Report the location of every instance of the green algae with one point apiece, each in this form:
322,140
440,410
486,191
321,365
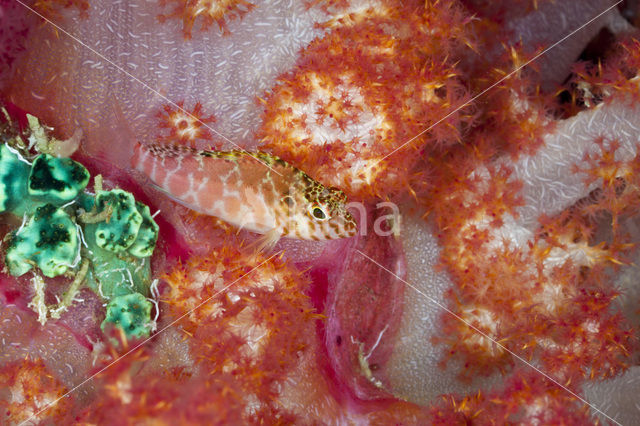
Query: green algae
56,180
13,180
131,313
48,240
103,241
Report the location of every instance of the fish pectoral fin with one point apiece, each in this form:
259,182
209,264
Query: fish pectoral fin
264,243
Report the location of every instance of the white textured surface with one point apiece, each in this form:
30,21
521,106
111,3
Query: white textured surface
555,20
413,368
550,185
224,73
617,397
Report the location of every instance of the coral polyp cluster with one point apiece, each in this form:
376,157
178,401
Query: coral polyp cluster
526,398
247,317
52,9
533,275
183,125
28,387
133,393
207,12
366,89
48,237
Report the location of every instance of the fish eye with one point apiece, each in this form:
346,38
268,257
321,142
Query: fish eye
318,213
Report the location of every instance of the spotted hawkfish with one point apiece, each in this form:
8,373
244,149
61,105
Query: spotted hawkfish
251,190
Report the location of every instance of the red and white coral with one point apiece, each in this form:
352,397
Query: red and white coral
531,246
180,125
378,78
30,393
488,215
526,398
248,318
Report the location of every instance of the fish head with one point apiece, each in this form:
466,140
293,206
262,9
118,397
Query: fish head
316,212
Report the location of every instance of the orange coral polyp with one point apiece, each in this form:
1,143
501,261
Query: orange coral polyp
184,125
543,293
527,397
30,389
255,330
359,93
50,9
209,12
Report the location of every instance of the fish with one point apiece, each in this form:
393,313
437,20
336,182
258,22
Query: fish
256,191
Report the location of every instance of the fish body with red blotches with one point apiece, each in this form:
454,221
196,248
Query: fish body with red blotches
251,190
